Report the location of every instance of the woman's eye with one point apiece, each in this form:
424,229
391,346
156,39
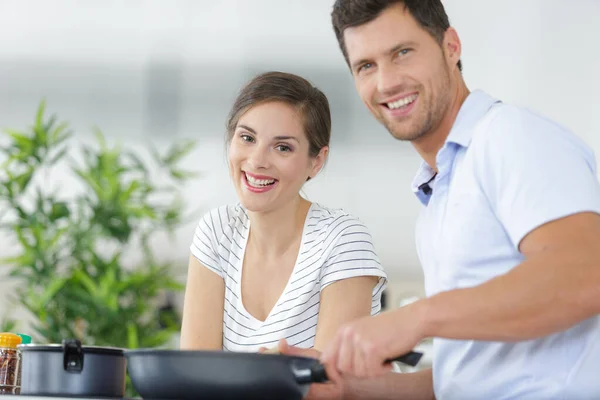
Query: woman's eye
247,138
284,148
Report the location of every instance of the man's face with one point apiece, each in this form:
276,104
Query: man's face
401,73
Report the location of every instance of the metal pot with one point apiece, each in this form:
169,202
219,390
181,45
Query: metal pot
70,369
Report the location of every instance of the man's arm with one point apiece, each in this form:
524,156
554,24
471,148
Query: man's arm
542,187
413,386
410,386
556,287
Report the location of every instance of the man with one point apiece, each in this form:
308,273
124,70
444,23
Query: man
509,235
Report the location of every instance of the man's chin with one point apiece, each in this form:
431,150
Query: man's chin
406,135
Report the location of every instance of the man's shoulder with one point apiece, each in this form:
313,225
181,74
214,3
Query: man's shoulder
508,127
515,143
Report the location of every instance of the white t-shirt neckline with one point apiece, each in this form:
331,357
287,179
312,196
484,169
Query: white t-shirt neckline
255,322
337,246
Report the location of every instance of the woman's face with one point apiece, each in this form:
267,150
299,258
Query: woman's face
268,157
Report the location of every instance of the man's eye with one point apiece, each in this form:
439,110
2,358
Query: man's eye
404,52
364,67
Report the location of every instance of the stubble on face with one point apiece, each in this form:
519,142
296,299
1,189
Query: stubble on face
433,106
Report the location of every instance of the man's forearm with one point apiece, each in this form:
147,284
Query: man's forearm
410,386
537,298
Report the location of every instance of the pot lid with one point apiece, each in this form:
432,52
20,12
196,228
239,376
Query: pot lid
59,348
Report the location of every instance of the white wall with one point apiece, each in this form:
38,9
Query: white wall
538,53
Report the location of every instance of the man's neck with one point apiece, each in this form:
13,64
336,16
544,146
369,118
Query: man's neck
430,144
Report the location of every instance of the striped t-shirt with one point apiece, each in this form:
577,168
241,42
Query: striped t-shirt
335,246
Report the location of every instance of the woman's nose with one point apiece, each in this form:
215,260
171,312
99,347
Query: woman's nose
259,157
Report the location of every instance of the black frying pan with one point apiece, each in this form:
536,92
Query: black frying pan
187,374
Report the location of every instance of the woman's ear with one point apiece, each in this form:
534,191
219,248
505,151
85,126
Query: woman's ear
319,161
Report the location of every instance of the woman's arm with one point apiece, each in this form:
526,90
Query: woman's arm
341,302
202,325
348,276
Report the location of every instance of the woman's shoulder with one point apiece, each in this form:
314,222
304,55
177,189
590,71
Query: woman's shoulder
329,218
225,217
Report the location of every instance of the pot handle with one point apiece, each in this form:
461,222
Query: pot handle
72,356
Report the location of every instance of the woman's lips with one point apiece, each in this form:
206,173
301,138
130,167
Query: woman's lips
257,183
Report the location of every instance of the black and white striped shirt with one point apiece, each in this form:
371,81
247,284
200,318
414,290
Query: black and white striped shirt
335,245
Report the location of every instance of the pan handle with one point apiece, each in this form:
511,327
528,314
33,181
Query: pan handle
317,373
411,358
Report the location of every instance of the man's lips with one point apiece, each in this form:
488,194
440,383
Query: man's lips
400,100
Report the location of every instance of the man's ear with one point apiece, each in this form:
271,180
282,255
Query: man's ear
452,46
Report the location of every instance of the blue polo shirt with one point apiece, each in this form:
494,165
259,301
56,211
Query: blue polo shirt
502,172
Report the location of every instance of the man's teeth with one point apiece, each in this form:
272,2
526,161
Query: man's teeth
259,182
402,102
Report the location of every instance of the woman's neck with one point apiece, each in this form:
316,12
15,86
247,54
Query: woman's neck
274,233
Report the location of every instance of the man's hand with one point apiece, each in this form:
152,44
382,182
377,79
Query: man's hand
332,390
360,348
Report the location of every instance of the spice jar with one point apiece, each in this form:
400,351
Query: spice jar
25,339
10,363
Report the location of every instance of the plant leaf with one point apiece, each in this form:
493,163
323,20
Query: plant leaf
40,113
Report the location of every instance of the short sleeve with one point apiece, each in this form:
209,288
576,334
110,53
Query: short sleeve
352,254
534,171
204,245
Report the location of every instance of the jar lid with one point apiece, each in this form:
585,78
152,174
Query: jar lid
9,340
26,339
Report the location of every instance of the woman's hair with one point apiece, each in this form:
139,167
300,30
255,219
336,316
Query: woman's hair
310,102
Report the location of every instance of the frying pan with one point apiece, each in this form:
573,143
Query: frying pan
198,374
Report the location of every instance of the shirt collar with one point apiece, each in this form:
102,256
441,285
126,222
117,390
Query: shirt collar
424,174
475,106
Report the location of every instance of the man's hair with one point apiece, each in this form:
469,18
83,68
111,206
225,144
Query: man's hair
429,14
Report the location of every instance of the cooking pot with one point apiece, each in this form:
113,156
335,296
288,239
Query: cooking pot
70,369
196,374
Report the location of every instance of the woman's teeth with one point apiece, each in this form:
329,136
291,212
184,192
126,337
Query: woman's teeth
259,182
402,102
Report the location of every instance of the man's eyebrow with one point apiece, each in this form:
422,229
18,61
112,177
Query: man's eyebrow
393,50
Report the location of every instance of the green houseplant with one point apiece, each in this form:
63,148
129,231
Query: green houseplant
70,250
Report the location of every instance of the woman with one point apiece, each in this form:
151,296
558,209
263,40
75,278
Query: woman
276,266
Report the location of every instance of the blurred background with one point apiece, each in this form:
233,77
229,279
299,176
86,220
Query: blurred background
160,72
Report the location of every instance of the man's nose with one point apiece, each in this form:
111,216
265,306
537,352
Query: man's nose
389,80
